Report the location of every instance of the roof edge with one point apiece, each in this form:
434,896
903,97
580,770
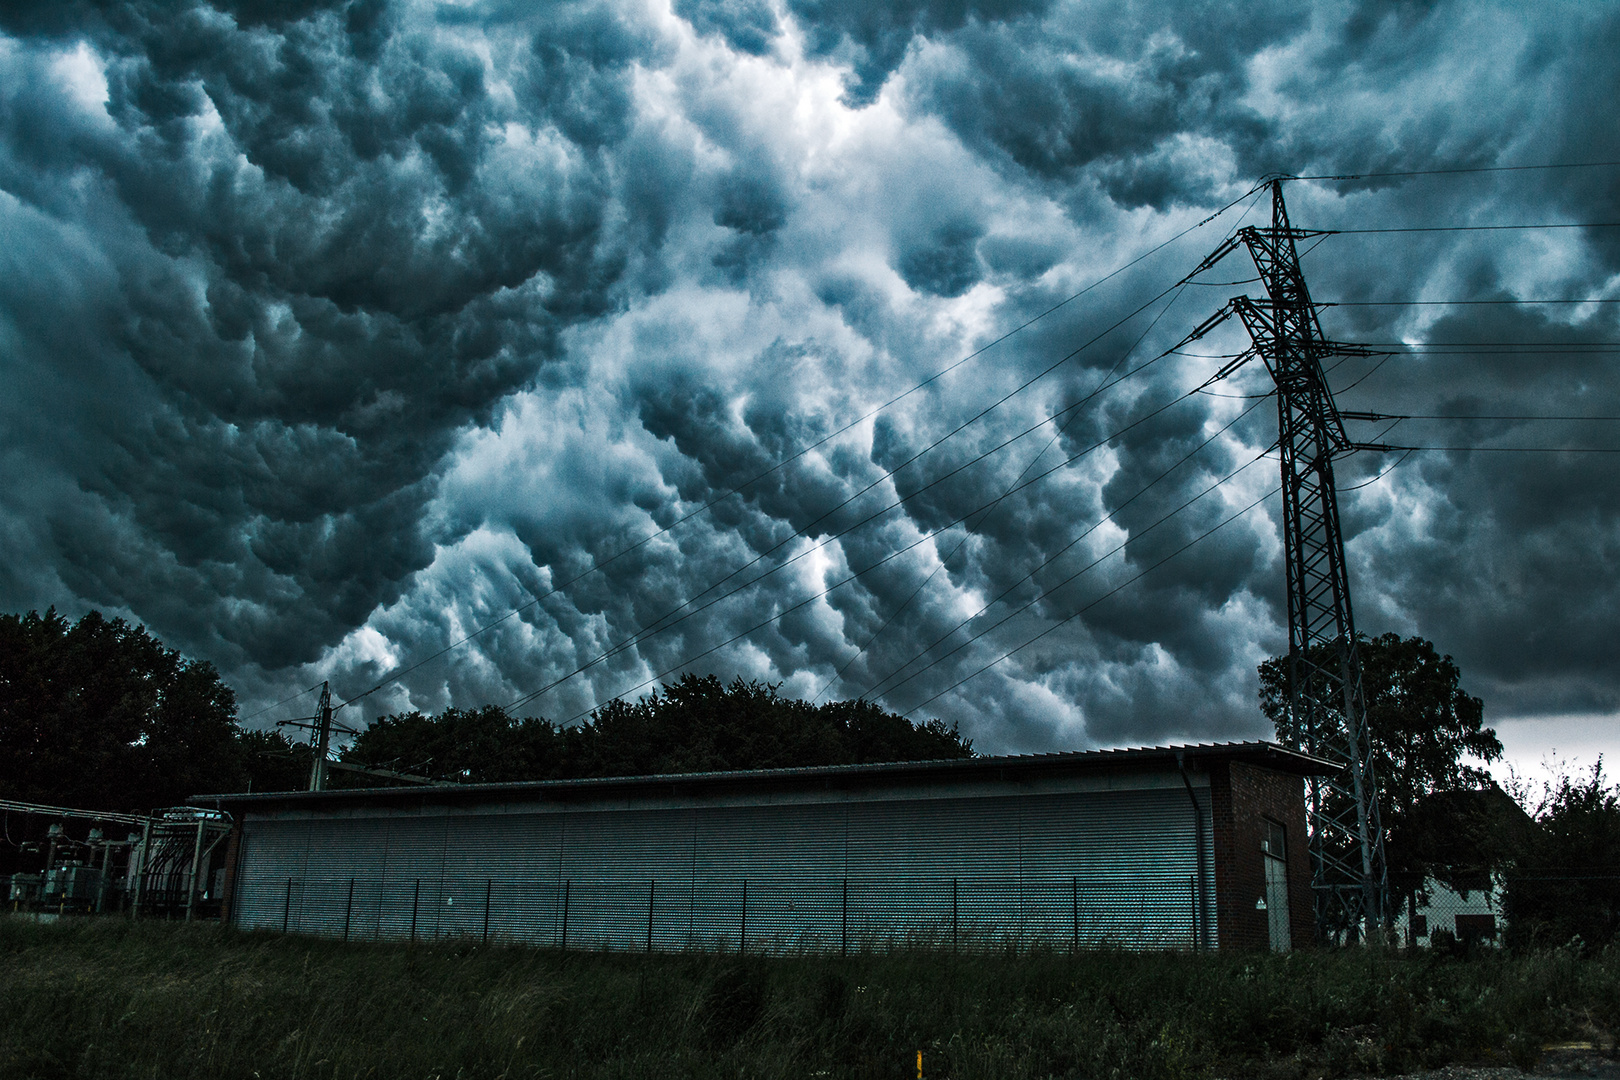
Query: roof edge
1267,754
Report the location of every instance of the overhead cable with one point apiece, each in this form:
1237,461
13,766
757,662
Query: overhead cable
401,672
879,686
1111,592
1044,594
279,704
637,638
819,595
967,534
659,625
1478,228
1458,303
1461,169
1511,449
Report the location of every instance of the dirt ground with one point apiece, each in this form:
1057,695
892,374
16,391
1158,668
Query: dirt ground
1562,1062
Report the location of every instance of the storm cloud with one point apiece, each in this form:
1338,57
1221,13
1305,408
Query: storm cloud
334,333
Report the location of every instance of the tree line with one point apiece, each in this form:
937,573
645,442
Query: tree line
99,714
697,724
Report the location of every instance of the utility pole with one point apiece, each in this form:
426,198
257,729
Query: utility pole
1327,713
323,738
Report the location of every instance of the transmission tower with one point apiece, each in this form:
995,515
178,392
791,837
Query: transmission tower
1326,711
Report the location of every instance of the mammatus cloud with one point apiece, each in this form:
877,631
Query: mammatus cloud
336,333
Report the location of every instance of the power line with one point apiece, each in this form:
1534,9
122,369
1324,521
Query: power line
1448,351
1511,449
1129,581
1451,303
919,654
658,625
1462,169
1018,485
1478,228
987,513
279,704
1369,373
1015,612
1445,349
893,555
400,673
811,447
1551,346
1383,473
1058,434
794,457
643,635
1348,415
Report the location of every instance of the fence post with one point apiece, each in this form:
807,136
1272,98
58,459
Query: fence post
567,888
742,938
843,947
1192,890
489,887
286,908
1074,915
348,910
652,889
953,914
416,904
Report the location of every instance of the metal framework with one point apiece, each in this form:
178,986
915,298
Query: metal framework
1326,704
320,744
322,740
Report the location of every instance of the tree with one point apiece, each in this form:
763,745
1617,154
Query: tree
272,762
700,725
99,714
482,745
697,724
1460,837
1425,732
1565,887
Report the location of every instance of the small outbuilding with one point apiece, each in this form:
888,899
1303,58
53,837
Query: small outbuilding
1190,847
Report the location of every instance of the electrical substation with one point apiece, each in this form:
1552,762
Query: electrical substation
341,863
61,861
1200,846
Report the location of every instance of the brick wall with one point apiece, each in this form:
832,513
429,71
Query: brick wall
1243,797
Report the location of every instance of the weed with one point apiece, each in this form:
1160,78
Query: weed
113,999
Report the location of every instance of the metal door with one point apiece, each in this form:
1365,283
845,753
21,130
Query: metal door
1274,853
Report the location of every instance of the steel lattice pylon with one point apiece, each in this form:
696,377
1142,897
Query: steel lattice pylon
1327,707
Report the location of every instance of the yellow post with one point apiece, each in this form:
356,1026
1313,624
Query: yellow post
919,1065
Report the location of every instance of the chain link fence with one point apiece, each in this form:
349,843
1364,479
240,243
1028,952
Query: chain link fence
776,916
1512,907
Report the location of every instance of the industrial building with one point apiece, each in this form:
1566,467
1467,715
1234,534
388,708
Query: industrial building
1191,847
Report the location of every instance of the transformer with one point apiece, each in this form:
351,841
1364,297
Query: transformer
25,888
73,884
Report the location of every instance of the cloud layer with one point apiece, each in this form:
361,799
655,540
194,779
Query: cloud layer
336,332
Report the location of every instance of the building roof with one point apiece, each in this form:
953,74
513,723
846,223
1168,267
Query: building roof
851,777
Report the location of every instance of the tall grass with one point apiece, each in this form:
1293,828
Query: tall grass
110,998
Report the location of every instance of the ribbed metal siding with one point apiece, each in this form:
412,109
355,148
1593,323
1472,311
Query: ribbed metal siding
1114,867
273,857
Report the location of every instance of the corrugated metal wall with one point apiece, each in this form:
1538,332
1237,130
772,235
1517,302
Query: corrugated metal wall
1070,869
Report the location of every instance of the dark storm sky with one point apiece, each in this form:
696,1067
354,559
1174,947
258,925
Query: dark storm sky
329,337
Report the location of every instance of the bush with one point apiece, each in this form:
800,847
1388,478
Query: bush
1566,885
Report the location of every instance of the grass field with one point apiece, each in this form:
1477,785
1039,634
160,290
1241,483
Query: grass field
108,998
